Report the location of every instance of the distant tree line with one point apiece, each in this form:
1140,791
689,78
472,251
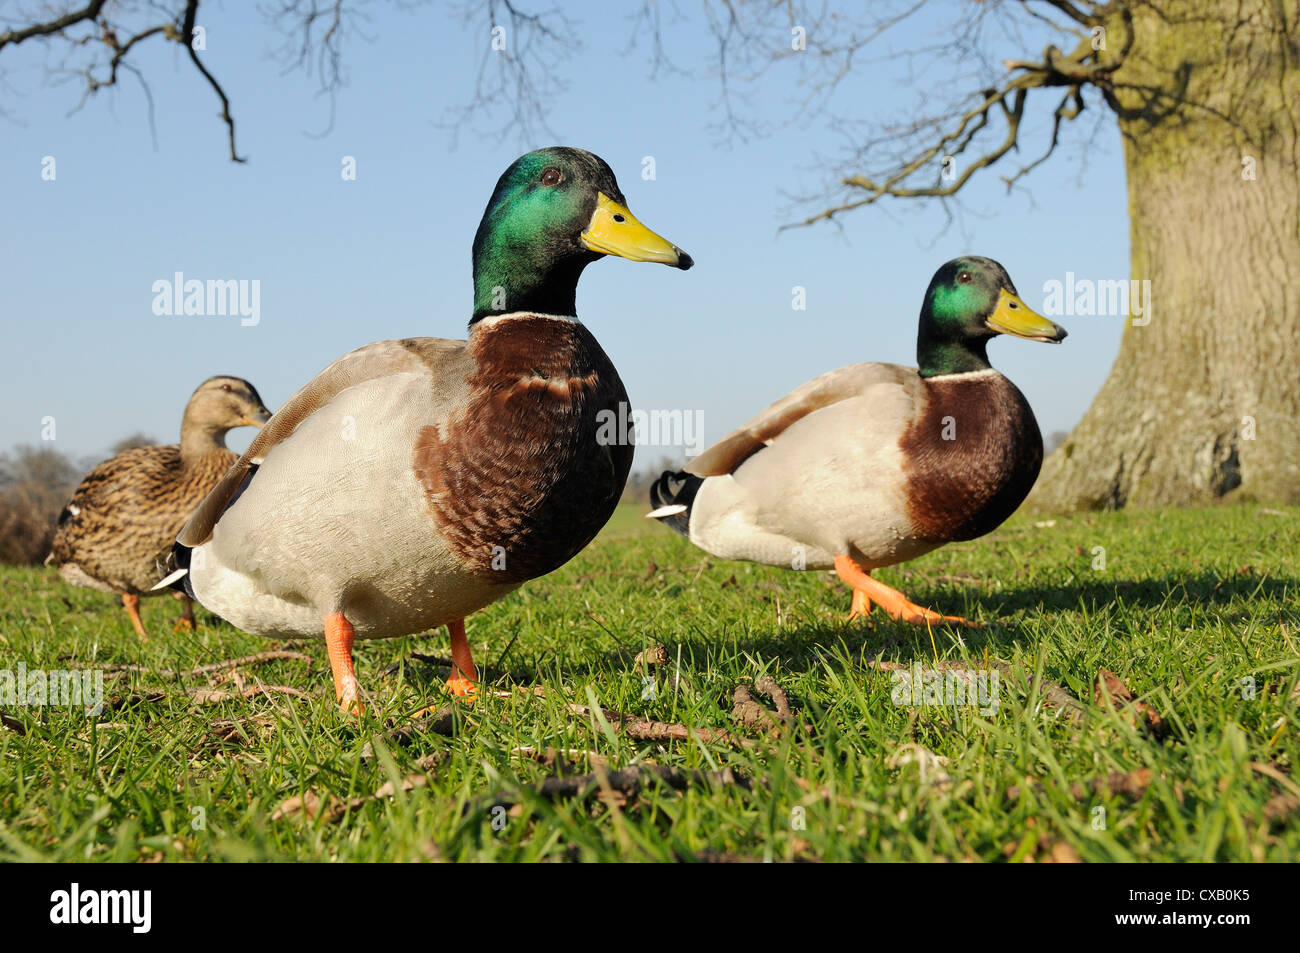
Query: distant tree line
35,484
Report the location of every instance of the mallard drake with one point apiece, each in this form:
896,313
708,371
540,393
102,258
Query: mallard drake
414,481
875,464
127,511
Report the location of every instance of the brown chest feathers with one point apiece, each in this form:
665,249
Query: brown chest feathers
972,455
524,475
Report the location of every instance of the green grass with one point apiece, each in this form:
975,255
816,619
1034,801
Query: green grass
1188,605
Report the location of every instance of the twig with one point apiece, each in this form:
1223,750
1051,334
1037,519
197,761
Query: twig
749,712
628,782
118,702
331,809
441,722
1054,695
212,696
187,37
1276,773
87,13
559,759
274,655
1131,784
644,729
1111,692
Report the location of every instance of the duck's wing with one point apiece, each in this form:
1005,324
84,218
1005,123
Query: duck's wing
445,362
731,451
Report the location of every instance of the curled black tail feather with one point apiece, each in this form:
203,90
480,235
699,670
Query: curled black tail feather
178,558
676,489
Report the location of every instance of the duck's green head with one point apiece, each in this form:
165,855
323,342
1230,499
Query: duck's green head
971,299
554,212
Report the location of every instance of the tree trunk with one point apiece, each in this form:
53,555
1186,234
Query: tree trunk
1204,401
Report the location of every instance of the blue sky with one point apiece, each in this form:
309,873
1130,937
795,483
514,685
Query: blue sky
342,263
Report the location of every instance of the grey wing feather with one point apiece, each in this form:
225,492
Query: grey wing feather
443,360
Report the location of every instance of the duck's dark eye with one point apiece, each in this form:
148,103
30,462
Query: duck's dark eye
964,278
551,178
226,388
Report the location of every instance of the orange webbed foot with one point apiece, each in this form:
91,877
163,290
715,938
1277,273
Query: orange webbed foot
461,687
891,600
462,683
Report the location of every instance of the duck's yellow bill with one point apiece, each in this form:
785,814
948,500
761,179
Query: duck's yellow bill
1012,316
614,230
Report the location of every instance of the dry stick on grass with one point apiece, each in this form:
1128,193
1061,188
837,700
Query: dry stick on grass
118,702
559,759
643,729
443,722
331,809
1054,695
1280,805
655,656
1111,692
274,655
626,782
749,711
212,696
1130,784
201,696
13,724
233,729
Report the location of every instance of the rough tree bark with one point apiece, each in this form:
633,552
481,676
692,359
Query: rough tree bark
1204,401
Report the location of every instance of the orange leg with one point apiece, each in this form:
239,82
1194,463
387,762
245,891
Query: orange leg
891,600
861,606
339,636
463,674
186,622
131,602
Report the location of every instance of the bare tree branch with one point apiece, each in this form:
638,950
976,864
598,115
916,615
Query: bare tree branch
919,159
314,32
187,37
517,73
88,13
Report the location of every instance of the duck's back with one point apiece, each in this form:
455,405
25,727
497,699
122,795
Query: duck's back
127,511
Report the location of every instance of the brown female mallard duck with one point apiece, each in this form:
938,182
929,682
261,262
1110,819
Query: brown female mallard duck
128,510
